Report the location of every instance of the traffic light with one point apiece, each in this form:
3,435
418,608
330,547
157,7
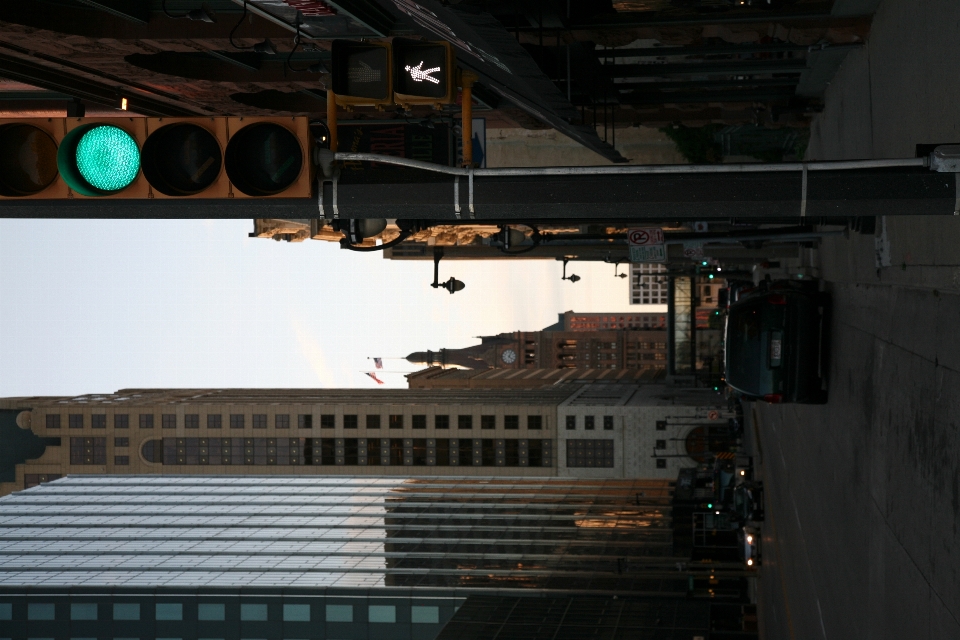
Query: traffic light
404,72
133,158
361,73
424,72
28,158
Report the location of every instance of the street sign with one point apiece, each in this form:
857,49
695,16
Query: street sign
646,245
693,250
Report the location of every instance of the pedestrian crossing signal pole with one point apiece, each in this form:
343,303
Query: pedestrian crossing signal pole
467,78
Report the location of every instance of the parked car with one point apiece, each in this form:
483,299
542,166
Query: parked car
749,546
776,343
748,502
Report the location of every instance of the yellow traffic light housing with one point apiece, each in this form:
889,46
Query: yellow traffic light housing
269,157
183,157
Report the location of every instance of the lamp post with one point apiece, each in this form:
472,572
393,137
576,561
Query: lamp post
452,285
572,277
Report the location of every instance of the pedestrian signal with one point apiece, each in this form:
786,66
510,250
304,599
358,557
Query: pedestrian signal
361,73
424,72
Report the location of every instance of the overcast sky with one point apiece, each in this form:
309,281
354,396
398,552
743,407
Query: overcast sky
90,306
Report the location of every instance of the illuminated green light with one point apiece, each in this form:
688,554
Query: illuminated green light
709,505
108,158
710,276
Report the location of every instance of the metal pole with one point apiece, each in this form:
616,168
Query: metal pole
332,119
671,328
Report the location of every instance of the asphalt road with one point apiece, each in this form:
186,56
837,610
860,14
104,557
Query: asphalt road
863,494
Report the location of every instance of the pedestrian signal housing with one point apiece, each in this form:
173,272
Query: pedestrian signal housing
206,157
424,72
362,73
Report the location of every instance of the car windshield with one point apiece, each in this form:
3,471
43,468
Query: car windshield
746,368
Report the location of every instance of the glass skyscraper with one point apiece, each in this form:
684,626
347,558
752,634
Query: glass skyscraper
285,557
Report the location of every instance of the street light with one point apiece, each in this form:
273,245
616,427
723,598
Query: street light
572,277
452,285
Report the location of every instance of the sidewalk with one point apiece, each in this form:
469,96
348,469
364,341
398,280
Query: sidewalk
900,90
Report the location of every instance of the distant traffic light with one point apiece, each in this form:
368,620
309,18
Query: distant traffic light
424,72
362,73
206,157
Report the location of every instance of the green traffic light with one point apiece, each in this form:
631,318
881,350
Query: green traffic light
108,158
710,276
709,505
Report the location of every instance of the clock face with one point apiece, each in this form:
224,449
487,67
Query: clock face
509,356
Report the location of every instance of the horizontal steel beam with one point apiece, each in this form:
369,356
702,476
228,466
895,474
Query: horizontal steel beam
563,198
626,19
691,97
738,67
706,84
47,77
702,50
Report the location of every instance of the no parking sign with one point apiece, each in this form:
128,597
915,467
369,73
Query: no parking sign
646,245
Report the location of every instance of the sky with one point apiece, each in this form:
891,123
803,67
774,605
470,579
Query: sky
93,306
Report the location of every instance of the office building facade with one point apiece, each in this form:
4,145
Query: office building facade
621,430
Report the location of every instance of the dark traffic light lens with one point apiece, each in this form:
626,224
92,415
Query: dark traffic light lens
263,159
181,159
361,71
28,160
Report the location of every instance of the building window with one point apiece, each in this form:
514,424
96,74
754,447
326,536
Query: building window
169,611
259,421
281,421
83,611
146,421
534,422
382,613
211,612
153,451
571,423
419,451
511,422
588,423
661,463
98,421
191,421
465,422
305,421
121,421
425,615
350,421
41,611
168,421
608,423
373,421
121,461
590,453
328,421
6,611
214,421
661,425
488,422
75,420
253,612
419,421
34,479
396,421
661,444
84,451
339,613
236,421
296,613
441,422
126,611
121,442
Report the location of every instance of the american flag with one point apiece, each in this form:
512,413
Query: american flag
378,362
374,376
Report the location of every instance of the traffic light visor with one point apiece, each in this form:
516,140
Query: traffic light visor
98,159
361,70
421,69
181,159
263,159
28,160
